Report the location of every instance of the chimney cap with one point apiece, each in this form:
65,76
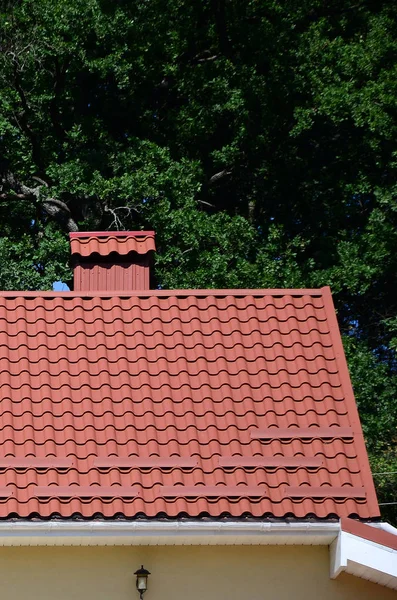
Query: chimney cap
85,243
107,234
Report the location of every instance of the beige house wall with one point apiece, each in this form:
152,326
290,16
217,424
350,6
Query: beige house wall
178,573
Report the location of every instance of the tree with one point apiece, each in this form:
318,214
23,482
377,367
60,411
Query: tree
256,137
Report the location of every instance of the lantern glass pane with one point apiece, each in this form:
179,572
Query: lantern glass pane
141,583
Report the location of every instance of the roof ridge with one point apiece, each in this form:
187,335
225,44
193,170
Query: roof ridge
166,293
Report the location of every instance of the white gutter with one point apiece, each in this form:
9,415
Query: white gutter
158,533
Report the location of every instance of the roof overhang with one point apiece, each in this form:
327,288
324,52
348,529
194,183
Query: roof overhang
366,552
354,548
167,533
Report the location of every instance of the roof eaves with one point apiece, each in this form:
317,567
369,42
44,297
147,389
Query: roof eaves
166,533
362,556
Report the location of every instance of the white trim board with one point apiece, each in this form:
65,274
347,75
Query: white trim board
363,558
158,533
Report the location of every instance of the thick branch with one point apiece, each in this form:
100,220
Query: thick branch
60,211
12,189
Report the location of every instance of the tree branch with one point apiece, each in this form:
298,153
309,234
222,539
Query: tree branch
117,222
11,189
205,56
60,211
219,176
206,203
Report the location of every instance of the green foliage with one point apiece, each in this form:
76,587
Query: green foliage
375,395
25,265
256,137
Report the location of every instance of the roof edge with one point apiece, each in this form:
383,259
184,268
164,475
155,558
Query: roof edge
163,293
364,556
171,533
370,533
351,404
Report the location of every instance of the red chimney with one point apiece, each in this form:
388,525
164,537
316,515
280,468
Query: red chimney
112,260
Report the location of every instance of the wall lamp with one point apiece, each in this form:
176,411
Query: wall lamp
142,575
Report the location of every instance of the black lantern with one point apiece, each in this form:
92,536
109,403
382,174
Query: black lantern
141,580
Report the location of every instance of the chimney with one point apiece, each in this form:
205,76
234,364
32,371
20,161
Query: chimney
112,261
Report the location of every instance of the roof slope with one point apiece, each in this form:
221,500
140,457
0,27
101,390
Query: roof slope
178,403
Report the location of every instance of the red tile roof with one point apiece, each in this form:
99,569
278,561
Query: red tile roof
178,403
103,243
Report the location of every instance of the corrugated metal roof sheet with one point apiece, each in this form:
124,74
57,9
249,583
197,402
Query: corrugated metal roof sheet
88,277
147,382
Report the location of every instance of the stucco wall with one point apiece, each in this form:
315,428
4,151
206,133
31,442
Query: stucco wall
192,573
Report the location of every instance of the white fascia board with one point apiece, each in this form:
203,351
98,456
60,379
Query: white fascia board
363,558
158,533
